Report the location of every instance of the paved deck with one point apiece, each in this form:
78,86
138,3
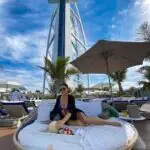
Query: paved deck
6,134
143,128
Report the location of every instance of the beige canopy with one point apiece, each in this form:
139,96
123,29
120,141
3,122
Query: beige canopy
109,56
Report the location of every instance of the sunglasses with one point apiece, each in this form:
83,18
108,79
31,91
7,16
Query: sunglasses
62,89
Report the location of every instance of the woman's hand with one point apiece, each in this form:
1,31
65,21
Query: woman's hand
116,124
60,124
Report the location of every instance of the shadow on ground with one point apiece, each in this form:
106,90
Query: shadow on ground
143,128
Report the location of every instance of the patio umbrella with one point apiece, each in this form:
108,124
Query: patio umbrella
110,56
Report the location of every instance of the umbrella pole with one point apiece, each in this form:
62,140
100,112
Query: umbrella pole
108,74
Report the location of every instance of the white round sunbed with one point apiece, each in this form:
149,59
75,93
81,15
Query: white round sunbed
30,136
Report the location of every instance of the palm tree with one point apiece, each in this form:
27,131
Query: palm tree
59,71
119,77
146,72
144,32
79,89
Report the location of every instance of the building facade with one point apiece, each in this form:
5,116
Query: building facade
66,35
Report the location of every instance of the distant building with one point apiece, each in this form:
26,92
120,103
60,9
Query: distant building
6,88
66,34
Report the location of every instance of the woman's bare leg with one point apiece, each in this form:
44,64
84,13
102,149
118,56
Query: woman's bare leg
97,121
75,123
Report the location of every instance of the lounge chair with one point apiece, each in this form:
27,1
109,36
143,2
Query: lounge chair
121,105
30,105
16,110
133,111
145,110
29,123
139,103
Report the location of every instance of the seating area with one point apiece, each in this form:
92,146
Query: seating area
143,105
38,120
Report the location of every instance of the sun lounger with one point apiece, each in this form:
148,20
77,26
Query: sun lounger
121,105
30,105
133,111
15,110
139,103
145,110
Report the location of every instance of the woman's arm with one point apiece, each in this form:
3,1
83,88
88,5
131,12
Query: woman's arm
66,118
63,121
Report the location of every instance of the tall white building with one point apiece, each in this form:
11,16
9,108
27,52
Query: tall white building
66,35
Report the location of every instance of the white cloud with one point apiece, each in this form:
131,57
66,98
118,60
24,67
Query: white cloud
22,46
123,12
32,80
31,47
133,76
3,1
113,26
128,21
17,46
86,4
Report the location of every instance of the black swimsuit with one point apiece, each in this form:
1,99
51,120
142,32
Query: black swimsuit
70,108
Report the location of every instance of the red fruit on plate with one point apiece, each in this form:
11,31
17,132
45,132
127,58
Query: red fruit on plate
65,132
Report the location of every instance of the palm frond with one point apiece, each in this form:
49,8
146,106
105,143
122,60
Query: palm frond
43,68
49,67
144,68
60,66
146,85
144,32
119,75
70,71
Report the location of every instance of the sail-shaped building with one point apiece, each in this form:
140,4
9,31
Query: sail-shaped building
66,35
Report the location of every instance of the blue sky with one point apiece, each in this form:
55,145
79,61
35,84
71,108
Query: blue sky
24,30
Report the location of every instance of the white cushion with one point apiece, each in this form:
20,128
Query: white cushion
102,137
44,109
91,108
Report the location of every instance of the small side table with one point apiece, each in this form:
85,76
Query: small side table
131,119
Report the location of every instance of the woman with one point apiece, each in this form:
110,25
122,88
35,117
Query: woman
70,115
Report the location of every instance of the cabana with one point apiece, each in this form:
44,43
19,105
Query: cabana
89,137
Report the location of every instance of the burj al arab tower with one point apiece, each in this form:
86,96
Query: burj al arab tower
66,35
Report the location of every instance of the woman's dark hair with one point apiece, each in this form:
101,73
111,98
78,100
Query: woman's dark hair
64,84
